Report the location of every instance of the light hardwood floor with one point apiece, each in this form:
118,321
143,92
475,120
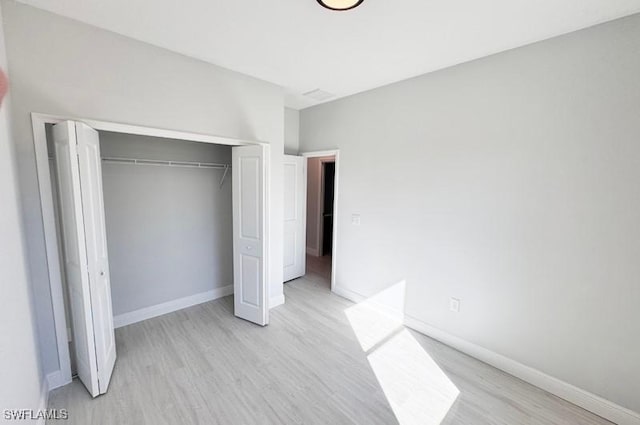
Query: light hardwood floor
320,267
203,366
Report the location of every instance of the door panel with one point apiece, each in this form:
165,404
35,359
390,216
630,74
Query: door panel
249,168
251,280
75,253
250,201
295,216
96,243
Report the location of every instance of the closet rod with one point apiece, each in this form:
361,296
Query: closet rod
140,161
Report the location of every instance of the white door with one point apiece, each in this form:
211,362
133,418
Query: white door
295,216
77,150
249,165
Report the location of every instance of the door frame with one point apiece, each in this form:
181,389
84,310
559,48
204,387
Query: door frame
336,185
38,126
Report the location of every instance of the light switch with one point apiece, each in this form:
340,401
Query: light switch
355,219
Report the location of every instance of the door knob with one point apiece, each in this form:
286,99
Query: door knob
102,273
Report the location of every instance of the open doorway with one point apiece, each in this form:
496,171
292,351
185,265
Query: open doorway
321,208
70,156
328,185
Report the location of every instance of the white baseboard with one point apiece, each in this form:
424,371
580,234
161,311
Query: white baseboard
56,380
276,301
170,306
391,311
350,295
313,251
588,401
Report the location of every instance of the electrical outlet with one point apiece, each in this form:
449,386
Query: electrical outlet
454,305
355,219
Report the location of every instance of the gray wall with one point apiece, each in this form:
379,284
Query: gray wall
510,182
169,229
62,67
21,379
291,131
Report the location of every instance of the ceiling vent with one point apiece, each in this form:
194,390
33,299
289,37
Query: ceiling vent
319,95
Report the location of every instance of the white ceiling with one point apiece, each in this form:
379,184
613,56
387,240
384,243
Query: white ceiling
301,46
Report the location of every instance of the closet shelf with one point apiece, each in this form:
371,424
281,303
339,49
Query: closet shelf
159,162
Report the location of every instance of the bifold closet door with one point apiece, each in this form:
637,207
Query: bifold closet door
249,165
295,216
77,150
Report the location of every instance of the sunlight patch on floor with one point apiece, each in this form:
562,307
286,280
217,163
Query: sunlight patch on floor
417,390
377,317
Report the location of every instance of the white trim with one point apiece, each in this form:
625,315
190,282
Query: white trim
334,252
316,154
170,306
266,254
276,301
51,247
564,390
38,122
348,294
584,399
57,379
142,130
44,400
395,313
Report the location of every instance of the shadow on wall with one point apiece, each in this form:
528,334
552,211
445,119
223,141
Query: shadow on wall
417,389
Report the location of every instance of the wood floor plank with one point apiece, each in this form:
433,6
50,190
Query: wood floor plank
202,365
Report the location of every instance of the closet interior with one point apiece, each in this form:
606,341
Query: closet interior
168,218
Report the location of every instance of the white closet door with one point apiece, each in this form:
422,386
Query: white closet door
249,233
96,242
75,253
86,264
295,216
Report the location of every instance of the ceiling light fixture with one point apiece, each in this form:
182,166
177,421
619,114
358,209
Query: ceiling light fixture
340,4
